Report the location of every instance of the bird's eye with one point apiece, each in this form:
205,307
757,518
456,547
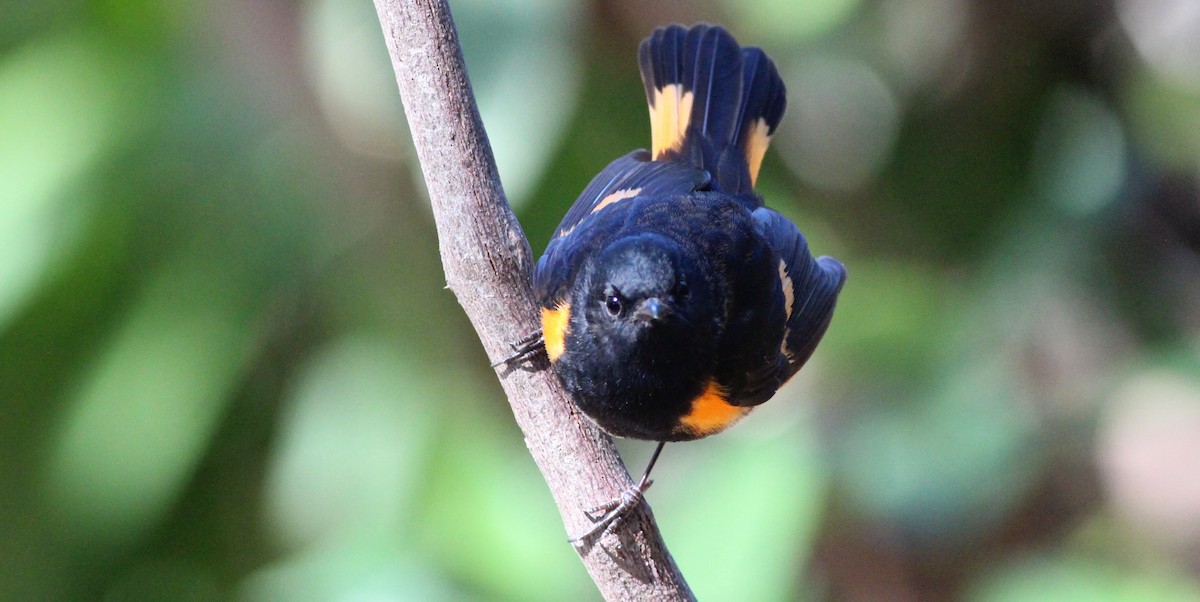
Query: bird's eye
681,289
613,304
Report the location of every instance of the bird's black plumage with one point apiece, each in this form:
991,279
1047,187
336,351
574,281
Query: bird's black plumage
673,300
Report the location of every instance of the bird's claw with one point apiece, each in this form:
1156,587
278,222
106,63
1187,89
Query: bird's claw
524,348
614,512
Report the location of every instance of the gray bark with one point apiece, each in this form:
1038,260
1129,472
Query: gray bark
487,261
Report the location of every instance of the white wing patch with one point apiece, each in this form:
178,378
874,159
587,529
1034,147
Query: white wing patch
789,297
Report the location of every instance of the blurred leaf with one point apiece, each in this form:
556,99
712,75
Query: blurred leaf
523,57
489,518
1071,579
786,21
147,25
1147,448
1166,34
608,122
20,19
1080,156
166,581
1165,118
353,79
370,570
352,440
893,320
948,468
145,410
61,103
840,125
740,518
920,41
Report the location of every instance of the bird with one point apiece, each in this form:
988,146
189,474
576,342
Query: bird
673,301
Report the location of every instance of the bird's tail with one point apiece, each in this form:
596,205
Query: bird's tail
712,103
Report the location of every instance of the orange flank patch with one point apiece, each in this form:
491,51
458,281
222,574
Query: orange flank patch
554,329
620,195
670,114
711,412
757,141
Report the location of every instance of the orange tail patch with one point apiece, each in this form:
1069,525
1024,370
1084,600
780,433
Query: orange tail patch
756,142
670,115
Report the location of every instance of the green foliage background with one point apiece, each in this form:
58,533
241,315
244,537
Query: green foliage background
229,368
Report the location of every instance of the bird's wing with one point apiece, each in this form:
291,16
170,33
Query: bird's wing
810,287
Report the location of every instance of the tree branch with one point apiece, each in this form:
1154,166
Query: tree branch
487,262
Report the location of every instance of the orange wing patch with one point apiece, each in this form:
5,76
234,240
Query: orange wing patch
711,412
620,195
670,114
554,329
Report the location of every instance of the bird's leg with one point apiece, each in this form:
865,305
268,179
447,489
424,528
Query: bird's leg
614,512
524,348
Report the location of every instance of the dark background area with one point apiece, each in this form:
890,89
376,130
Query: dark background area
229,368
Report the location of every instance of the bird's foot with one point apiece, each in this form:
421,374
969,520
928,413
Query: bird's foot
607,518
524,348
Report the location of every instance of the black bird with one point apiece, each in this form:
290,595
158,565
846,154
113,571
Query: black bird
674,302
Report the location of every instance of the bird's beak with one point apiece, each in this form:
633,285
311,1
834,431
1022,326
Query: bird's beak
652,310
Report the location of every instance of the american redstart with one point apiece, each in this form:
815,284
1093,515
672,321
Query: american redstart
673,302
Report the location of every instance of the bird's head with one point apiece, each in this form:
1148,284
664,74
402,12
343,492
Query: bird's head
642,287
